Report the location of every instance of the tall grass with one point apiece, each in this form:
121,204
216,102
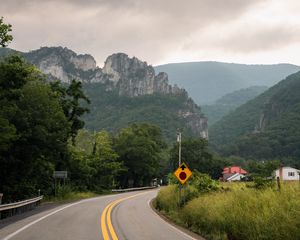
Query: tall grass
240,213
67,193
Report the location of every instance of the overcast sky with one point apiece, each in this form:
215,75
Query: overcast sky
161,31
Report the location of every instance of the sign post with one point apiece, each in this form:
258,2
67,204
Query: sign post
183,173
59,175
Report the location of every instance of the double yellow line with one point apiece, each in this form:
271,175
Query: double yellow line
106,219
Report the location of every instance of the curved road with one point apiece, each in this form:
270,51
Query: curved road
112,217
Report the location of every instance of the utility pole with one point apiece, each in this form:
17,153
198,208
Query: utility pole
179,147
179,163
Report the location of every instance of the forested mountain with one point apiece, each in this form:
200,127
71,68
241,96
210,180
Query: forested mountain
229,102
265,127
208,81
124,91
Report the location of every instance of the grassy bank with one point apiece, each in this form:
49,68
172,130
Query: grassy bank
68,193
71,196
236,211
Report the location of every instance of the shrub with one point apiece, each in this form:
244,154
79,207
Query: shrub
262,183
63,191
203,182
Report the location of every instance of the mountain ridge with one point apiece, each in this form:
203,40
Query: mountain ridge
206,81
121,79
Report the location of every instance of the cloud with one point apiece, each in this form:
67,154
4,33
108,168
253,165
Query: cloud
151,30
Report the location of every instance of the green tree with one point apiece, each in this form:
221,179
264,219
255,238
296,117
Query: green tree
263,168
195,153
37,139
105,162
14,73
71,100
140,147
5,37
94,164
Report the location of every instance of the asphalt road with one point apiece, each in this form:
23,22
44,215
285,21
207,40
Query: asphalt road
112,217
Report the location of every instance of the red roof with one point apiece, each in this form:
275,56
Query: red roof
234,169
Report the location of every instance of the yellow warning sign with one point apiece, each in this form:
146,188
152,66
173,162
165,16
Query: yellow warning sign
183,173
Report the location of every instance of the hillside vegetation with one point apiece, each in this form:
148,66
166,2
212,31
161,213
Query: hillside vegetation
112,112
230,102
265,127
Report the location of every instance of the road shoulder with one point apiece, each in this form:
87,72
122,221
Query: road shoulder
173,224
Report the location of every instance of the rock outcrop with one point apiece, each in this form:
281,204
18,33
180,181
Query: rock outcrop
64,64
130,76
126,76
133,77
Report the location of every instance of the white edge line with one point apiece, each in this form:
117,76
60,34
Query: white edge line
48,215
178,230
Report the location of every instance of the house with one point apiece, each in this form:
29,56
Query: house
234,173
287,174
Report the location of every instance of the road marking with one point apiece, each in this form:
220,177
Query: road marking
48,215
103,224
106,218
178,230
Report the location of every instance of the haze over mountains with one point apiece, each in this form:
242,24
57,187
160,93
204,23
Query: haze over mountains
208,81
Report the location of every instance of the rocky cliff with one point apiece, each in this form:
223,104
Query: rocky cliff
133,77
128,77
64,64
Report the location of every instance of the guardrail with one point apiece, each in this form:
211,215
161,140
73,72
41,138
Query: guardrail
132,189
10,209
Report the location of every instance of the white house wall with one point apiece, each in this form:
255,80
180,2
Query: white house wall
285,174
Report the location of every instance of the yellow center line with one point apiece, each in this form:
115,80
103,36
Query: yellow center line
103,224
106,218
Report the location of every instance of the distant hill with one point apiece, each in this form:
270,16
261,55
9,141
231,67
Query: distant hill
230,102
266,127
208,81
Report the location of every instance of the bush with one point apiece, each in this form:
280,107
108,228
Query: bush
203,182
63,191
262,183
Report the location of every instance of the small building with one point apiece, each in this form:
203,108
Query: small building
287,174
234,173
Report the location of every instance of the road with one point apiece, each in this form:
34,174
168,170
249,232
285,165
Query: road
112,217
